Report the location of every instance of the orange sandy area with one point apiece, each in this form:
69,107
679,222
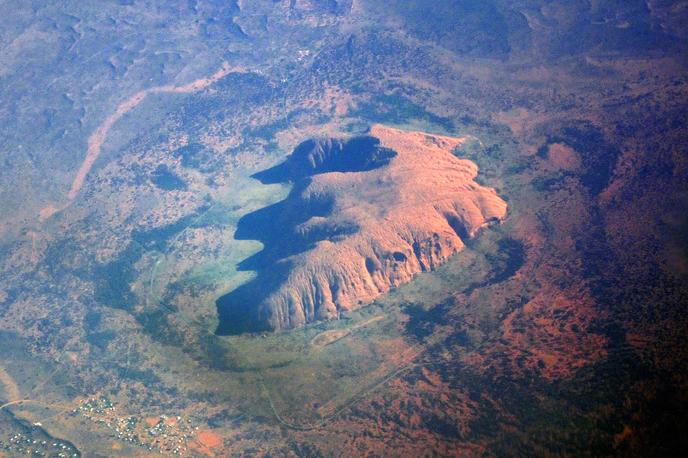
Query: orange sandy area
207,442
209,439
152,421
170,421
95,141
550,331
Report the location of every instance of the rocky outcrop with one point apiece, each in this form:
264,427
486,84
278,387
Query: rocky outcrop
364,215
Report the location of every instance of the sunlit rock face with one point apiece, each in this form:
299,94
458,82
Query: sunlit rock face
364,215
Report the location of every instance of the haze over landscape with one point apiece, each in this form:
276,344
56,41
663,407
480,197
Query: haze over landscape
343,228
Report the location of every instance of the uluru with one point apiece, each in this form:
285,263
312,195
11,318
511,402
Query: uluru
364,215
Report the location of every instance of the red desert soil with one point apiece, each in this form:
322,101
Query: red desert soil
207,442
393,423
152,421
410,215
